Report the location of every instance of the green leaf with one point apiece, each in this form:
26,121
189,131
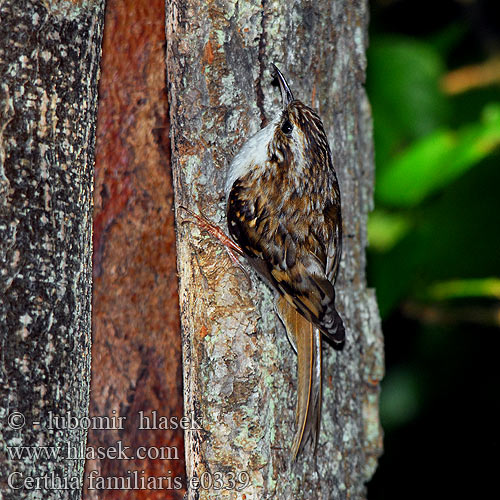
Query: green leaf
453,236
436,160
403,86
465,288
386,229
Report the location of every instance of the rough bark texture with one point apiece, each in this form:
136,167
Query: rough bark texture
239,370
136,348
49,60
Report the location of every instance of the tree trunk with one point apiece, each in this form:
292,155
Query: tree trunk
49,60
136,330
239,371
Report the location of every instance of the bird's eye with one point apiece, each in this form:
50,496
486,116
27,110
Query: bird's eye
286,127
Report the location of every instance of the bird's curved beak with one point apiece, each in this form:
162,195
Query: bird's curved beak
286,93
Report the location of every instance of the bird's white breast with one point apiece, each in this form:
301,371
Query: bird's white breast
253,152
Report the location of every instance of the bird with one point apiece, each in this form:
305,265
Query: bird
283,212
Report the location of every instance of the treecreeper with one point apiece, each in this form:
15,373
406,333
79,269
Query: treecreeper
284,216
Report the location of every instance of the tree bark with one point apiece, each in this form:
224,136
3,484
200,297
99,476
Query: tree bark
49,63
136,331
239,370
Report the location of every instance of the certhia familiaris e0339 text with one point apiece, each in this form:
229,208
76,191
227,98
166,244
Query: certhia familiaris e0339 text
283,211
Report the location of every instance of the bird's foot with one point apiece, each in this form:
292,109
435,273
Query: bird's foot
232,248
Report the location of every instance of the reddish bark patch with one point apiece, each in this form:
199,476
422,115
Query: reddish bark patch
208,53
136,357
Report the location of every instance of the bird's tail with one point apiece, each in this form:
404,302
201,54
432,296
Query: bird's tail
306,338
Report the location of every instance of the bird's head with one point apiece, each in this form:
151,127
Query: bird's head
293,145
299,136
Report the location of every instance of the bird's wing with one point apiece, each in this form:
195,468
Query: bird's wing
298,258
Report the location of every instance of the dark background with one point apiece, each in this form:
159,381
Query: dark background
434,256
